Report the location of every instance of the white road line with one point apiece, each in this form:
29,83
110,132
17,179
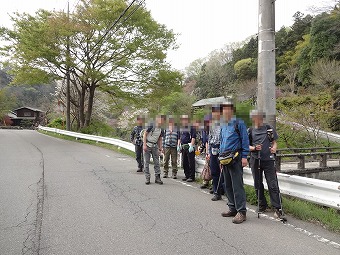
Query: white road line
262,215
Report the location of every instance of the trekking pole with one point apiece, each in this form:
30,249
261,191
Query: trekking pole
283,219
258,183
219,179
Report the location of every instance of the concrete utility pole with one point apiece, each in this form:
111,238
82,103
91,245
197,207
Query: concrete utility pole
68,105
266,99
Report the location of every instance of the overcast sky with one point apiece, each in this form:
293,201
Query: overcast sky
202,25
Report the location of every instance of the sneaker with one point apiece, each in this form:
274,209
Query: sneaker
229,214
184,179
204,187
140,170
211,192
165,176
174,176
239,218
147,182
216,197
190,180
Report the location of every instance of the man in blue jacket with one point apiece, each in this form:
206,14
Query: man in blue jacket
234,141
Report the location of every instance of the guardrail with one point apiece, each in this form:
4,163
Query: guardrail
317,191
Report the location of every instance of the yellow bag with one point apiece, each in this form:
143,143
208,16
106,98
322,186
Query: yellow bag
227,158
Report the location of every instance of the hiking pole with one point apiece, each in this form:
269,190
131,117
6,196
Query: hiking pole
258,183
283,219
219,179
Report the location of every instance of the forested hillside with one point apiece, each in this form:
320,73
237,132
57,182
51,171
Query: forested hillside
307,64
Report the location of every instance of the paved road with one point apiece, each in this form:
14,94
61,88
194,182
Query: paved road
62,197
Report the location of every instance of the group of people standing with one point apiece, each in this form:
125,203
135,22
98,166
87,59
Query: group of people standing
228,144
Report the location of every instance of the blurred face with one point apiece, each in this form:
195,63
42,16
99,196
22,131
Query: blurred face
228,112
185,122
140,121
257,120
216,114
160,121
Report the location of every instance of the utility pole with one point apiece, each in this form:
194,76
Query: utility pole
266,97
68,105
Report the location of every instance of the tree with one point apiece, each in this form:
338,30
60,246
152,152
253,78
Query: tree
246,69
124,60
216,76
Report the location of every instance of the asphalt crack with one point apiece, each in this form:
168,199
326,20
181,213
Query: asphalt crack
114,191
31,244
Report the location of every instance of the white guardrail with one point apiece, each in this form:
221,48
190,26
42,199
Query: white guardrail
317,191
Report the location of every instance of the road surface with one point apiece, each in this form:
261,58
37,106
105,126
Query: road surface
63,197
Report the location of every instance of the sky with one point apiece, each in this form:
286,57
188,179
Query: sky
202,25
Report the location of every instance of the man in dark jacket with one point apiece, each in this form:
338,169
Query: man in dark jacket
263,147
186,144
137,140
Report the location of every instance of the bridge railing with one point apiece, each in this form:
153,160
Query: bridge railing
317,154
317,191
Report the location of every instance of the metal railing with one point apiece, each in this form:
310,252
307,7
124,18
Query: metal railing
317,191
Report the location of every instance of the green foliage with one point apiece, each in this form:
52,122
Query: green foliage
98,128
128,63
7,102
57,123
242,111
177,103
246,69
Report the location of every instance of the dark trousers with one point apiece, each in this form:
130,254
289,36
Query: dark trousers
268,168
139,155
217,177
189,163
233,181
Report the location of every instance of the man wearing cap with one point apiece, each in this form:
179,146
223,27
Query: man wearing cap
234,141
137,140
186,144
213,149
263,146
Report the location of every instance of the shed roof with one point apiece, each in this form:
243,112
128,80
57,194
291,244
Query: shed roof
209,101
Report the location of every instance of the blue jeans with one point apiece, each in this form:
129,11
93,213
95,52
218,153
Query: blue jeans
233,181
217,178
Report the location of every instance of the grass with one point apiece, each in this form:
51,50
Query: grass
329,218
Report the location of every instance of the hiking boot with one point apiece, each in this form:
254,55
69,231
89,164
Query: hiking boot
147,182
190,180
158,179
278,214
229,214
216,197
262,209
239,218
165,176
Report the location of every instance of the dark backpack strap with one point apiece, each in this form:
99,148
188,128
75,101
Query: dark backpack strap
250,135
